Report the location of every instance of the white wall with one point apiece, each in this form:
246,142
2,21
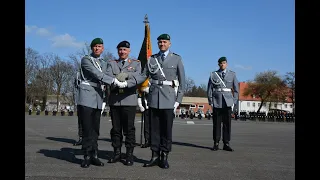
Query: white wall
250,106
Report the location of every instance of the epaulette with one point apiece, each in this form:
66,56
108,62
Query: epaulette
135,60
154,55
231,71
176,54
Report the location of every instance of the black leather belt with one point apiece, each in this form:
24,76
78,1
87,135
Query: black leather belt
123,91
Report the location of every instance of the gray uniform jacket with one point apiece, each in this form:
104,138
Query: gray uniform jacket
88,95
216,97
125,96
164,96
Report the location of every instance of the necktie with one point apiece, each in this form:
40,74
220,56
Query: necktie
223,74
123,62
162,57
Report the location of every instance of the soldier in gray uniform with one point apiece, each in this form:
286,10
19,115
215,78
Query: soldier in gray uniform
30,109
167,79
77,83
38,109
123,102
223,94
90,100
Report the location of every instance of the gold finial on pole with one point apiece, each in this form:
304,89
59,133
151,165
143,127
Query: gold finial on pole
146,19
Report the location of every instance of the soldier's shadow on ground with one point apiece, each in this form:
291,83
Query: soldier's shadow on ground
69,154
66,154
191,145
65,140
72,141
175,143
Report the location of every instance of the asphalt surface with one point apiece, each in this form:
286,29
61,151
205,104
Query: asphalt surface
263,150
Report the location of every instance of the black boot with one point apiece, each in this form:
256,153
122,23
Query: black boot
146,144
79,142
215,147
164,160
95,160
116,156
227,147
86,161
129,157
155,160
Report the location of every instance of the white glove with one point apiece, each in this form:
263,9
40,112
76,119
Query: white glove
120,84
103,106
140,105
146,90
145,101
176,104
232,107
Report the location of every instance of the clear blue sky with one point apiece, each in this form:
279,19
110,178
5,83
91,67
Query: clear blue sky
254,35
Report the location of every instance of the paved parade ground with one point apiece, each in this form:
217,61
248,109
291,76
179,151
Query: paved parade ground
263,151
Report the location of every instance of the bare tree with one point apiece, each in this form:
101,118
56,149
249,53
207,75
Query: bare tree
31,57
60,72
107,55
290,80
266,85
203,87
44,81
86,50
189,84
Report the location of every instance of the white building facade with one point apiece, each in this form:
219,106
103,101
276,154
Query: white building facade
252,103
253,106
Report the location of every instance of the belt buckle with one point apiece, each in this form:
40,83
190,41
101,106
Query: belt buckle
121,91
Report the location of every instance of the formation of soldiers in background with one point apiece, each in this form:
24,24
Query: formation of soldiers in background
64,110
277,116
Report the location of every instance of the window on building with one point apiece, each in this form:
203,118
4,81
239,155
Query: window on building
285,106
259,104
290,105
264,104
254,104
275,105
254,96
248,104
201,106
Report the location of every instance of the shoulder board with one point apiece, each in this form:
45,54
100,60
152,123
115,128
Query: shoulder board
113,60
154,55
231,71
176,54
86,56
135,60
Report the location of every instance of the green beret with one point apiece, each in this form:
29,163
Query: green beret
222,59
164,37
96,41
125,44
